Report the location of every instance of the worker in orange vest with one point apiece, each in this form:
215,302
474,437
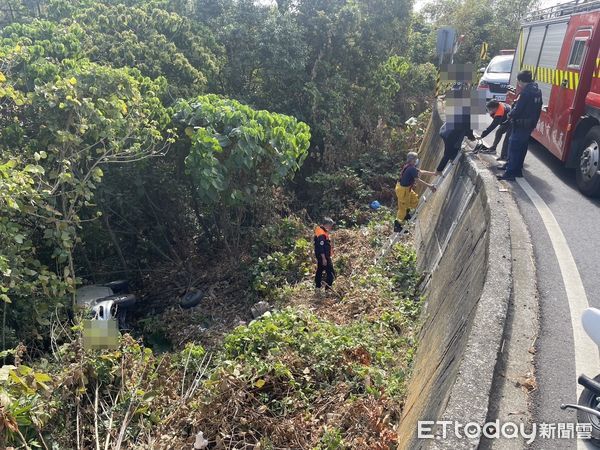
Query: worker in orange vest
323,253
407,198
499,112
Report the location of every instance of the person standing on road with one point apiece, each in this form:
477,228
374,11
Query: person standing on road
523,117
323,253
499,112
407,198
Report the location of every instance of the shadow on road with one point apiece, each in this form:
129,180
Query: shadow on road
563,176
566,176
541,185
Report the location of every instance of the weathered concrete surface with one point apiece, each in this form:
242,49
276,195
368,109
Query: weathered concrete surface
514,377
462,239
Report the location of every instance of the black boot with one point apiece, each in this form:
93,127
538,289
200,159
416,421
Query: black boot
397,226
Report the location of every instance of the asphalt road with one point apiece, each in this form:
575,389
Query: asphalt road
579,220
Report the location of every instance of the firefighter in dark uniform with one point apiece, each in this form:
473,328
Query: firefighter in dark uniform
323,253
499,112
523,117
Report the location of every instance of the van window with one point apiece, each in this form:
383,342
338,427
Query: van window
501,65
577,53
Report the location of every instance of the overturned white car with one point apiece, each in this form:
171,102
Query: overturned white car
107,301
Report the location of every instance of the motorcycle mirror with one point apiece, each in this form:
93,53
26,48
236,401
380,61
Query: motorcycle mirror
591,324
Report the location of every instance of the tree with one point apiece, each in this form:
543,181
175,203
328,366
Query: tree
92,90
236,153
77,118
394,77
496,23
136,34
314,59
421,40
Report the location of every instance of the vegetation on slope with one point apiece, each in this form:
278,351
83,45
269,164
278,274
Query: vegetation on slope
193,144
314,373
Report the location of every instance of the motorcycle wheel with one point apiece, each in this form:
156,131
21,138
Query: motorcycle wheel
591,400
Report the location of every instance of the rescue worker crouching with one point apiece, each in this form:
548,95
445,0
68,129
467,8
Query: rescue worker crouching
499,112
407,198
323,253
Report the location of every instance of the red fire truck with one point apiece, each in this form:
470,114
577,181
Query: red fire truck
560,46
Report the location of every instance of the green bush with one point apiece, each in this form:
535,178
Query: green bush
276,368
331,353
339,193
279,235
331,440
192,357
403,269
24,403
278,269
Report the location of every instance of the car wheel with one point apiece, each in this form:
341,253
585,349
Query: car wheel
588,178
191,299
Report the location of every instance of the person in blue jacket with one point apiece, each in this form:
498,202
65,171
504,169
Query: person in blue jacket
524,117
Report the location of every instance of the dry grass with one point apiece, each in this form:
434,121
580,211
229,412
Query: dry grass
343,394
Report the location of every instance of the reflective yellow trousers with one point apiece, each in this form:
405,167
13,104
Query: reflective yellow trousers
407,199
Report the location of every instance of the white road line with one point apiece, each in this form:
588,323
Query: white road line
586,351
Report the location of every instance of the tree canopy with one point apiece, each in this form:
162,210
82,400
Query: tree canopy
497,23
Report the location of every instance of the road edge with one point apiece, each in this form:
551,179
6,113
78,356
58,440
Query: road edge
514,379
470,396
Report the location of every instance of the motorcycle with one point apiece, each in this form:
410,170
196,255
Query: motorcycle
588,405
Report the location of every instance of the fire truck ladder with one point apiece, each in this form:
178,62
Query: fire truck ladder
395,237
561,10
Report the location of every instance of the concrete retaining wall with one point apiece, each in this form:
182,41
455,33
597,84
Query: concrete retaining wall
462,239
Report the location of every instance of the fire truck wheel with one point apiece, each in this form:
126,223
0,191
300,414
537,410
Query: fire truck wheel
588,177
